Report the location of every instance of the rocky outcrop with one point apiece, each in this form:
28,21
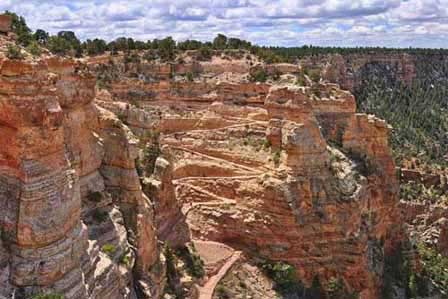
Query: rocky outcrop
236,194
349,71
319,208
5,23
90,187
290,173
75,220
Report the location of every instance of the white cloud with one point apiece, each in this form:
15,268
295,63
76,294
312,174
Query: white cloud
275,22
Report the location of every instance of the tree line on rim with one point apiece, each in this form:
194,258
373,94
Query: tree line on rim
67,43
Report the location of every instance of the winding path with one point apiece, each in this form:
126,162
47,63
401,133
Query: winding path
206,292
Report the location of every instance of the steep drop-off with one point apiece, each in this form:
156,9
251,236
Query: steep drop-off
96,173
74,219
285,172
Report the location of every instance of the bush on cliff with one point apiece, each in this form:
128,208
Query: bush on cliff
150,151
34,49
435,266
21,29
259,76
109,249
193,262
284,277
14,52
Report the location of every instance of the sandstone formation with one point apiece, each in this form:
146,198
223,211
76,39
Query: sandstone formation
74,221
5,23
93,179
290,173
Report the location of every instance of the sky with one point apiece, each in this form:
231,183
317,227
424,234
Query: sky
389,23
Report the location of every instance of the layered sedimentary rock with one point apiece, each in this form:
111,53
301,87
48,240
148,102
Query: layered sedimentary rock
290,173
283,171
349,71
74,221
325,211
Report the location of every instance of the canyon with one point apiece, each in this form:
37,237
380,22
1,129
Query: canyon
106,161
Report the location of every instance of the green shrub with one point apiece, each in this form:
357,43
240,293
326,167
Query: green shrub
34,49
14,52
150,147
21,29
276,157
335,288
58,45
125,259
314,75
99,216
109,249
193,262
223,292
267,144
435,266
259,76
205,53
190,77
364,165
398,271
95,196
284,277
301,81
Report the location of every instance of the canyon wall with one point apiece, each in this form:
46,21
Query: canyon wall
93,179
349,71
74,221
286,172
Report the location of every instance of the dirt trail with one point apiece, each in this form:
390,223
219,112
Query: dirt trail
206,292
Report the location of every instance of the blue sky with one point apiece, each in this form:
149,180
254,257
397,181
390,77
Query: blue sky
391,23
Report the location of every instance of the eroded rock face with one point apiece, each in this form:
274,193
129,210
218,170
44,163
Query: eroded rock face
351,70
5,23
288,173
326,209
65,229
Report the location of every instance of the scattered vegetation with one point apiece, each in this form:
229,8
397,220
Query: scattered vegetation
194,264
14,52
34,49
416,191
435,266
66,43
109,249
259,75
284,277
125,259
399,272
94,196
173,285
418,111
21,29
99,216
313,74
336,289
276,157
150,148
287,285
223,292
364,165
190,77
